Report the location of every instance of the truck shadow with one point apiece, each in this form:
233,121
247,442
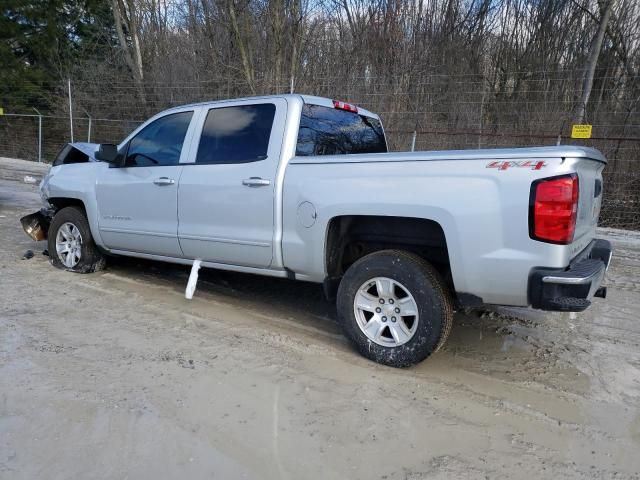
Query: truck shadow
490,336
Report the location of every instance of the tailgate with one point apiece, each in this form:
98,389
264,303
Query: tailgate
589,198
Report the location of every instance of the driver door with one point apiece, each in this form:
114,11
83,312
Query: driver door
138,201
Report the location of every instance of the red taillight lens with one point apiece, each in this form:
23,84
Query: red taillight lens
554,208
345,106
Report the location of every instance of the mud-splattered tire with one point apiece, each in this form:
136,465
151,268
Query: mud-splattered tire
394,307
70,243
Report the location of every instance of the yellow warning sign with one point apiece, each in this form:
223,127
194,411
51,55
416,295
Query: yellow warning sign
1,111
581,131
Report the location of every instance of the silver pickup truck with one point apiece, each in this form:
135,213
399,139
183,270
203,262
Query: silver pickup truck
302,187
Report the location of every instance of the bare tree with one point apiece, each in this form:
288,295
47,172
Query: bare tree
594,53
127,26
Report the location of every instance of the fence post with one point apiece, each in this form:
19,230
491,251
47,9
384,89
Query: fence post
89,128
559,141
39,135
413,141
70,110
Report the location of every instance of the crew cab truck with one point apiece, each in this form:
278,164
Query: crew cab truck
303,187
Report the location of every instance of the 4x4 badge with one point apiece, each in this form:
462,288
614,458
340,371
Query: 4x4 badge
503,165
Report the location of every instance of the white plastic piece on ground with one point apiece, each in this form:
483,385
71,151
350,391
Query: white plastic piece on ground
30,179
193,280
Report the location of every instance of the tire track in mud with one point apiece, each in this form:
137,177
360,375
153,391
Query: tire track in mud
628,284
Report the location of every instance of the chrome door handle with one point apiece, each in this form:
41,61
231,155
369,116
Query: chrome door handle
164,181
256,182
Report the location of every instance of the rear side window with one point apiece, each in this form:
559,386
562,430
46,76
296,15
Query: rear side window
236,134
329,131
159,143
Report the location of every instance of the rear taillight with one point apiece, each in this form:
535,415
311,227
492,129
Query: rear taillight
553,209
345,106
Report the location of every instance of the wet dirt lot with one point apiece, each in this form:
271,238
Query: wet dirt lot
116,375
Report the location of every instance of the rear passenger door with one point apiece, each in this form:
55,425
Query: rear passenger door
227,191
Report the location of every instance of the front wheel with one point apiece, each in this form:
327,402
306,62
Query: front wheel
70,243
394,307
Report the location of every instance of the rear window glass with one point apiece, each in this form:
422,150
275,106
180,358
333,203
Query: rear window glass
329,131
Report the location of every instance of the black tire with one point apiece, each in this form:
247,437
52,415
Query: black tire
91,259
422,281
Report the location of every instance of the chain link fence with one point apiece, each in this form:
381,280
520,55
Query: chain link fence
33,136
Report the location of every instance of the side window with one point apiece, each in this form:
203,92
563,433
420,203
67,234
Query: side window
236,134
160,142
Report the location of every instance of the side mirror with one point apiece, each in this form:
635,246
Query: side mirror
108,152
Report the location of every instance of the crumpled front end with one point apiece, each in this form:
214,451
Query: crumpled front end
36,225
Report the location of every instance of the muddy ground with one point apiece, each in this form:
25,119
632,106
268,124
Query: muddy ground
116,375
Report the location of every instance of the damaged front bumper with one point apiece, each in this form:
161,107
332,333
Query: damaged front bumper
36,225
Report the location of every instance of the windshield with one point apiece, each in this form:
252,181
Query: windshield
329,131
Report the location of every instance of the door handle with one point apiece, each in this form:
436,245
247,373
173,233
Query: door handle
164,181
256,182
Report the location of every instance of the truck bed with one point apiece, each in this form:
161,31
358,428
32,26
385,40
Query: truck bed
528,153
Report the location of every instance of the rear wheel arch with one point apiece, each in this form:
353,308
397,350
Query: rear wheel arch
351,237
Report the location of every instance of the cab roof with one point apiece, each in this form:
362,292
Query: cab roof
308,99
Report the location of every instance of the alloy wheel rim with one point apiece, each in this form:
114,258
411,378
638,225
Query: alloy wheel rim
386,312
69,244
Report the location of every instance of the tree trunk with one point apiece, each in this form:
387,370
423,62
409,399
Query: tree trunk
135,65
242,46
590,70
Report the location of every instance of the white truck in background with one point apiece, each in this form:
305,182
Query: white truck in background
303,187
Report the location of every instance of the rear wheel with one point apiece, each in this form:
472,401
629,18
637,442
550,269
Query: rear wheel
70,243
394,307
